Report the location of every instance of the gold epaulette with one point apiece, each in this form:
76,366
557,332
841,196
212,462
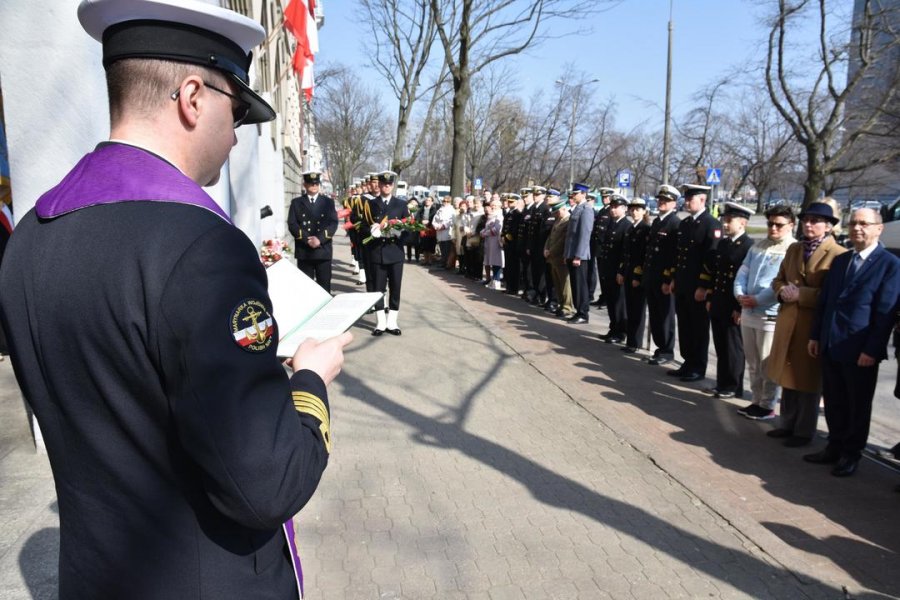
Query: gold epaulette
313,406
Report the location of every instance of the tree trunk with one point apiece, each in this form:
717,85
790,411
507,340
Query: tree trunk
815,176
462,92
399,160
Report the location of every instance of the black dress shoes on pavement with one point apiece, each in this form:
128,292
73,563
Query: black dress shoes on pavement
629,350
394,331
779,433
797,441
377,332
845,467
823,457
676,372
577,321
615,339
689,377
660,359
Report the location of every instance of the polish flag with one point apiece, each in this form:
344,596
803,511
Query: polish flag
300,20
248,336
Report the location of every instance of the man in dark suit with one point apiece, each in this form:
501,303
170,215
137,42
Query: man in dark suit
312,220
180,447
578,252
511,220
601,223
698,234
724,309
608,261
385,250
854,318
659,264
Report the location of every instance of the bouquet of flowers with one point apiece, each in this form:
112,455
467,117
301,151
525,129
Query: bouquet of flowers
272,251
394,227
343,213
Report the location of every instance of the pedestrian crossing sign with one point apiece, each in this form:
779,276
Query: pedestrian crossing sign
713,176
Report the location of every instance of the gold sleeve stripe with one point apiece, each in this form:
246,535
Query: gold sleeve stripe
639,270
313,406
705,277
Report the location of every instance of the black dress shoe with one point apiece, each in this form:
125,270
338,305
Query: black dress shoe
614,340
689,377
680,372
779,433
845,467
629,350
377,332
605,336
578,321
823,457
393,331
797,441
360,283
659,360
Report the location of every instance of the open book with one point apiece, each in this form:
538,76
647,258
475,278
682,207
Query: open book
304,310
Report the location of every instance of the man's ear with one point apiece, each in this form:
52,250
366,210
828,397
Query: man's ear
189,100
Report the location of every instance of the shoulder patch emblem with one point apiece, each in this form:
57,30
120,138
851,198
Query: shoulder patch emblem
252,327
717,233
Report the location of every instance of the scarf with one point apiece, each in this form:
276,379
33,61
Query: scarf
810,246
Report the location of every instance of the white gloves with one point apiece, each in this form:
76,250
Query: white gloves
375,230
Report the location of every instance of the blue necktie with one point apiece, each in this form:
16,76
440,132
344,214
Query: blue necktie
855,264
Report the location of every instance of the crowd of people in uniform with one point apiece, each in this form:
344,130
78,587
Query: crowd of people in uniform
764,304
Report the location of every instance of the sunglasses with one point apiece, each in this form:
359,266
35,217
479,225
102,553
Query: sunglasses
777,225
239,111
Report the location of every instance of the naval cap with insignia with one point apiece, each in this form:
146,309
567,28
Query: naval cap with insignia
592,196
186,31
312,177
606,192
618,200
637,202
387,177
692,189
733,209
668,193
539,190
525,191
514,197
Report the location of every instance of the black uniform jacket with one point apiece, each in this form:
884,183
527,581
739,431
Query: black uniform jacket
538,229
312,220
634,249
613,246
697,237
177,452
387,249
662,245
722,266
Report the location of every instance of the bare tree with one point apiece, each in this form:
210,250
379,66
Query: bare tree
403,35
349,118
760,145
834,140
476,34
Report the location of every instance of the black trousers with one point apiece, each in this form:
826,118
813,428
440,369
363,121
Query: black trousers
729,346
511,270
635,311
525,272
539,274
317,270
594,278
355,243
388,276
615,304
366,266
693,331
552,296
848,390
661,311
578,279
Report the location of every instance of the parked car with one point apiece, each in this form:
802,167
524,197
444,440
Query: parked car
652,207
890,237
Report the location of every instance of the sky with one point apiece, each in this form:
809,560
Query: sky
625,49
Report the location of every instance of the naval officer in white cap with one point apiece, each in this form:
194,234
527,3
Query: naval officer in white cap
143,337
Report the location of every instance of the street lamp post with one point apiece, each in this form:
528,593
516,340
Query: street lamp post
667,135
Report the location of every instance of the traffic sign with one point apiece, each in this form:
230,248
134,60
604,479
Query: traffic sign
624,178
713,176
478,183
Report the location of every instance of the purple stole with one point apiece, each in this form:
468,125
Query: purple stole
115,173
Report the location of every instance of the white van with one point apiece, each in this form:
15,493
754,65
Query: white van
401,189
439,191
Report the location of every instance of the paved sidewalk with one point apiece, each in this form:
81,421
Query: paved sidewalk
492,452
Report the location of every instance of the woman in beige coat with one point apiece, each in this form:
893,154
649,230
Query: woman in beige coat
797,286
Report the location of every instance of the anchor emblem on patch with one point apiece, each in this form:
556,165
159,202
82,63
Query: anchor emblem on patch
252,327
